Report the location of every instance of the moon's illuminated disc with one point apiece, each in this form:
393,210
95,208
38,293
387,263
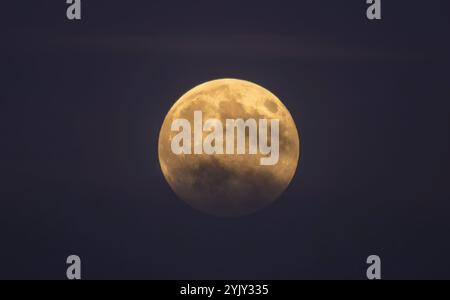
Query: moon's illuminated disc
229,184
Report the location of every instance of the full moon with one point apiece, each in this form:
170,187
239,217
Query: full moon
229,184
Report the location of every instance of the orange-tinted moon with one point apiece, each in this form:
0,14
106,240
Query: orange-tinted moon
229,185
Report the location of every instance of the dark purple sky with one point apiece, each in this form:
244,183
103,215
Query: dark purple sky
82,104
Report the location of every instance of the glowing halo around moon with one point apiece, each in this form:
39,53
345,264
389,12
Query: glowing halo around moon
229,184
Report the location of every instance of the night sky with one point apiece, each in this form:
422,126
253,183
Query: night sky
82,104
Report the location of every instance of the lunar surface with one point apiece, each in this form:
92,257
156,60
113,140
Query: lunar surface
229,184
